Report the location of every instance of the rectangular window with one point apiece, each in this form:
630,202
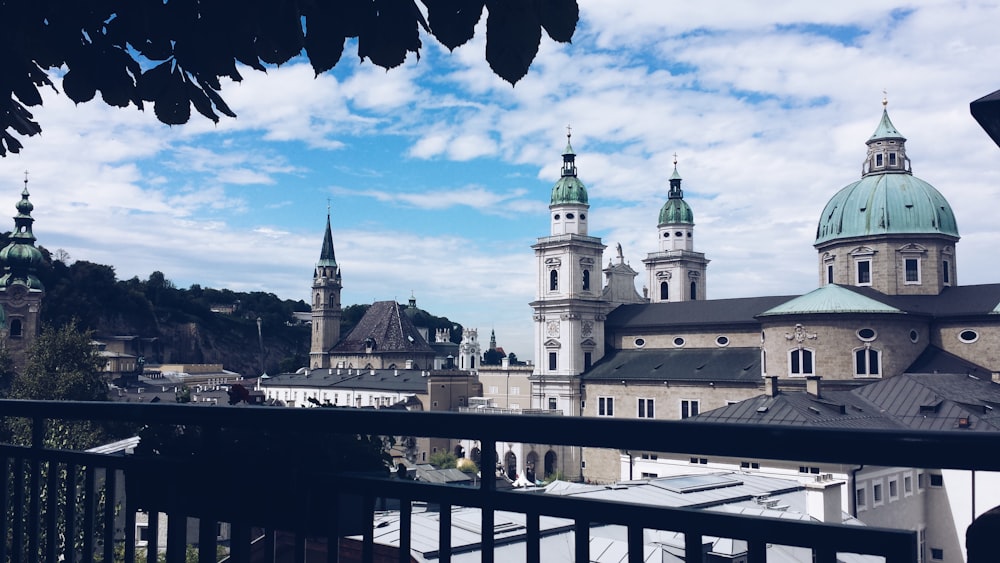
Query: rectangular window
892,159
878,160
946,272
605,406
920,481
893,489
689,408
859,498
515,390
912,268
650,456
552,403
800,362
864,272
587,360
699,460
937,480
866,362
649,475
494,389
142,534
829,273
907,484
877,493
937,554
645,408
552,360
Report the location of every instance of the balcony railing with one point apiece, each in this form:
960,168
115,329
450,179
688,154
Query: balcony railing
53,496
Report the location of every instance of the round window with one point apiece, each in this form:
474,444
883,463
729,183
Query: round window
689,235
640,342
666,235
914,336
557,217
569,215
867,334
722,341
678,234
968,336
583,216
678,341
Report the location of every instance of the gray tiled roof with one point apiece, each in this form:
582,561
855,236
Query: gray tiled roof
694,364
391,329
960,301
693,313
914,401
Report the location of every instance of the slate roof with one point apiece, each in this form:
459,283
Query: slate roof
910,401
953,302
936,360
391,329
403,381
679,364
727,312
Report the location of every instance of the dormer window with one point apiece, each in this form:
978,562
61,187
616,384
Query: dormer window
878,160
892,159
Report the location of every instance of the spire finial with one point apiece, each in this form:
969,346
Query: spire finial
885,98
26,179
675,160
569,132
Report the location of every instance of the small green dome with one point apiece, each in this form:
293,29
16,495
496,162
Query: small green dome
676,211
883,204
888,199
569,189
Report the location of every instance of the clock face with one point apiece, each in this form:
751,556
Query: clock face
17,294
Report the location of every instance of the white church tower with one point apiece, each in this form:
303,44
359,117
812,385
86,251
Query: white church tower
676,272
469,350
569,311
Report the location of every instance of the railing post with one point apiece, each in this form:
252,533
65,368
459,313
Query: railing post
52,512
4,506
70,513
444,533
693,547
581,533
405,528
35,492
110,500
635,544
488,486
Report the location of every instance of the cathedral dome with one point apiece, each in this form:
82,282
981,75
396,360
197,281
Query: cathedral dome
888,199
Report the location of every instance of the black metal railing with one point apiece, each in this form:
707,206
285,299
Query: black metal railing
78,506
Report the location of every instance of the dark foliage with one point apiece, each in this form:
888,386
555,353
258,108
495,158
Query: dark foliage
173,53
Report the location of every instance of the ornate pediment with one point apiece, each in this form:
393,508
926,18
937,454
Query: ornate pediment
912,248
553,262
664,275
863,251
799,334
552,343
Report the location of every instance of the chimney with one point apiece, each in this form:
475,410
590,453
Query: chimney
409,364
771,386
812,385
823,499
505,363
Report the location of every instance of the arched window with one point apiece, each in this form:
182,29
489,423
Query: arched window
553,280
529,466
664,291
459,451
550,463
510,465
800,361
586,280
694,291
15,328
867,362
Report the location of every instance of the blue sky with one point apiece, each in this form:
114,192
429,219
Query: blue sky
438,173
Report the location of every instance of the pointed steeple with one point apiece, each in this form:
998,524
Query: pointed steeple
886,149
493,340
326,255
569,157
675,183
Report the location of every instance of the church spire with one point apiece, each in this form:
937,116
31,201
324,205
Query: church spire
326,255
569,157
675,183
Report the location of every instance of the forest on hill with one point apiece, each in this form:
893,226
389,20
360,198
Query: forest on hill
182,321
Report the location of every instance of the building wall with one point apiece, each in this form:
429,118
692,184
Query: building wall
603,465
507,388
984,351
694,337
887,271
834,341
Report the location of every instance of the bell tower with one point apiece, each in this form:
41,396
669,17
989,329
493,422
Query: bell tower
326,311
569,311
676,272
21,291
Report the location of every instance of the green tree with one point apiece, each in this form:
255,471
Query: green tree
174,54
443,459
61,365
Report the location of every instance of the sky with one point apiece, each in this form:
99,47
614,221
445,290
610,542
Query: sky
437,174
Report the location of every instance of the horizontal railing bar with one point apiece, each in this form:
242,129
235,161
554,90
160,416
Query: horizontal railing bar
803,533
887,447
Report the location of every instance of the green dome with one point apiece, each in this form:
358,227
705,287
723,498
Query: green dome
569,188
676,211
882,204
888,199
